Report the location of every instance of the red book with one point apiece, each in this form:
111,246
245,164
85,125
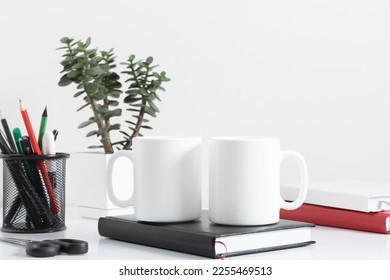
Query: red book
335,217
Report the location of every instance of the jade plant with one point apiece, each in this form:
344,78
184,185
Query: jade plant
97,82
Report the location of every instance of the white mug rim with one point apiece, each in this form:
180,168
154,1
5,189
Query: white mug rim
244,138
165,138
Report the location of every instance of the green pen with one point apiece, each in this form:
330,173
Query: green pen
17,135
42,128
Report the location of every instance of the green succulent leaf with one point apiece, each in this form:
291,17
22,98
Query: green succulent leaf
94,72
90,88
87,43
153,106
133,92
113,103
64,81
86,123
91,133
77,66
82,107
77,94
66,40
113,113
74,74
131,99
115,93
125,133
149,60
150,112
133,110
114,127
95,147
146,127
99,95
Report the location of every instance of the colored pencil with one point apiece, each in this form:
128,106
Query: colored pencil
42,128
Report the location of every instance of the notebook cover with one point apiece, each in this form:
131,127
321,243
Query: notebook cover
362,196
197,237
336,217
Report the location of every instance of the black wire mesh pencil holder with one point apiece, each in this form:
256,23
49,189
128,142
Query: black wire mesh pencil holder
34,193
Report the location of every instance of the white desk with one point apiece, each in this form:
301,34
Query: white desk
331,244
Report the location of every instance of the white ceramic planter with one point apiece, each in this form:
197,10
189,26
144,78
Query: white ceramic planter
88,180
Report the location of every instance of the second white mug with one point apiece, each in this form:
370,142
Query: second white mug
244,174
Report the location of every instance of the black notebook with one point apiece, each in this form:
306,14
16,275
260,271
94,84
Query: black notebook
207,239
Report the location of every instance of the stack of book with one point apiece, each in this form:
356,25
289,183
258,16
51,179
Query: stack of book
203,238
361,206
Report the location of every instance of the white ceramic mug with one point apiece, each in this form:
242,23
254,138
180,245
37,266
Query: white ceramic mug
244,174
167,179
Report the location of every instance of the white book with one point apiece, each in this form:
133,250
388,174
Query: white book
359,195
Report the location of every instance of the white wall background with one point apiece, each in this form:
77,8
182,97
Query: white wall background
314,73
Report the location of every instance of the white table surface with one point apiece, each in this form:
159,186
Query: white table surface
332,244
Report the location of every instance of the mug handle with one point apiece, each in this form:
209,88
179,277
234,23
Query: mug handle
110,189
304,181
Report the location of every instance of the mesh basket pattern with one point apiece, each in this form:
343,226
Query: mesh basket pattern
34,193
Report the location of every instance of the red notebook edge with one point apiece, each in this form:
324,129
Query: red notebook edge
340,218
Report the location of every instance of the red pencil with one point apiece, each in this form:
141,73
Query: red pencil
37,151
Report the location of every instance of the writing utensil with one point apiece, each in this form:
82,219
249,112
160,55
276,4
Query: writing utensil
49,148
5,149
37,151
7,132
48,144
26,145
55,133
17,135
42,128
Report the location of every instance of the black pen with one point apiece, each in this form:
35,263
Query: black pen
55,133
26,145
5,149
8,133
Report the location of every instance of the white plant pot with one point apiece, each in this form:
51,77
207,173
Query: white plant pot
88,180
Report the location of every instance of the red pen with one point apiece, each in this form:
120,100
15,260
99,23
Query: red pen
37,151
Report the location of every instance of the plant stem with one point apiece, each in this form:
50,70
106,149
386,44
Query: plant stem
104,135
138,125
141,114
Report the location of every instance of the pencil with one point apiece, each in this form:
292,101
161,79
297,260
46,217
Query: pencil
42,128
8,133
37,151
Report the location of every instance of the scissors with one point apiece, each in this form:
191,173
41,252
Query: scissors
50,248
